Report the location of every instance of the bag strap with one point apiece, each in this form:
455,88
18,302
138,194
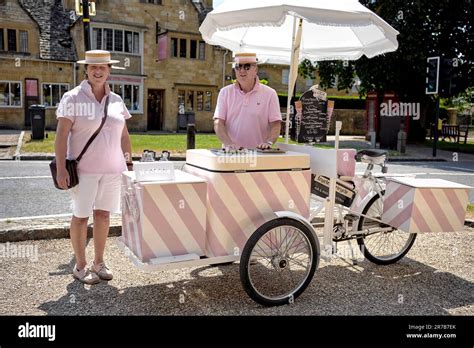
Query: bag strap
91,139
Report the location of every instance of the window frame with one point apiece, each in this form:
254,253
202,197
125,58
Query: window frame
200,53
51,91
135,35
21,95
2,39
112,85
195,101
23,42
8,40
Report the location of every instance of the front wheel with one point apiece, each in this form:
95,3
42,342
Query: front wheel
279,261
382,248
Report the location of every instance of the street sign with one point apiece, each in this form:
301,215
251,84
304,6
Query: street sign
432,75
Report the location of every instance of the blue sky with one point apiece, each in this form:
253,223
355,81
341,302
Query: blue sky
215,3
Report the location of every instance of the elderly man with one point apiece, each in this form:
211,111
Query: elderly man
247,113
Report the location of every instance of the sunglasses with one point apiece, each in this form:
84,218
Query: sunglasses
247,66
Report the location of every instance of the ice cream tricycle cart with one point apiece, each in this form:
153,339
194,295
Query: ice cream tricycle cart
258,207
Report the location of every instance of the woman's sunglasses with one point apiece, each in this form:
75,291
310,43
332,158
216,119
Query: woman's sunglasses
247,66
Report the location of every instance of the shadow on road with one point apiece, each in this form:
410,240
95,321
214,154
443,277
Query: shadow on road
406,288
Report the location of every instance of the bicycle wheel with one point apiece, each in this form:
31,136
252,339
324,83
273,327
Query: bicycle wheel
382,248
279,261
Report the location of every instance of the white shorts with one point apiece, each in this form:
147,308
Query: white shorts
96,192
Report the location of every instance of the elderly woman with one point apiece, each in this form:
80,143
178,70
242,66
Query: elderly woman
79,115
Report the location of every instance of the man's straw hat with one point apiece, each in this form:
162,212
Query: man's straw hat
245,58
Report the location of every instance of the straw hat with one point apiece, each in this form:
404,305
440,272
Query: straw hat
245,58
98,57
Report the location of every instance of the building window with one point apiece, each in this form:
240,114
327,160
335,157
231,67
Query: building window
179,48
156,2
53,92
136,43
109,39
181,107
2,43
116,40
202,50
186,101
208,101
199,101
189,100
174,47
182,48
11,34
130,94
23,41
10,93
285,75
97,38
193,49
128,42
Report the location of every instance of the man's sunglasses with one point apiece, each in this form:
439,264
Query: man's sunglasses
247,66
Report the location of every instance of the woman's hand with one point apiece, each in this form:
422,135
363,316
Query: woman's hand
62,177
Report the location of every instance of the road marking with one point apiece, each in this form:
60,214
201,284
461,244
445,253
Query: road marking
465,169
412,174
24,177
35,217
18,146
21,218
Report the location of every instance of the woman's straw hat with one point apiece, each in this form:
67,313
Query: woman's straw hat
98,57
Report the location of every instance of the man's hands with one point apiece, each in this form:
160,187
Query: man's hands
62,177
263,146
232,147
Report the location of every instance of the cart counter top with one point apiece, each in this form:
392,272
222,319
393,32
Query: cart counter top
428,183
180,178
247,161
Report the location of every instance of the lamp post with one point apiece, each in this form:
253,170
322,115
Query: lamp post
87,27
86,9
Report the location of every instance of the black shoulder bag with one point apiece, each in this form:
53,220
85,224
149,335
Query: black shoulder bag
71,165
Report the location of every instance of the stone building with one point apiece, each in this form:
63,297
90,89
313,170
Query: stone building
168,67
169,70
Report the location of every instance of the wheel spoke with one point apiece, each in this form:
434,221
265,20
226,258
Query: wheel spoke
383,246
288,253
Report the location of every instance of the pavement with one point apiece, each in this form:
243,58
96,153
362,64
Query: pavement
435,278
414,152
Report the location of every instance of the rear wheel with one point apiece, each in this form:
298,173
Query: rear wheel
279,261
382,248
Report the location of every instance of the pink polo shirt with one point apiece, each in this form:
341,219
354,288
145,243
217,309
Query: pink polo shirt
104,155
248,116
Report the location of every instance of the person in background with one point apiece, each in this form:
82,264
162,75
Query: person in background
247,114
79,115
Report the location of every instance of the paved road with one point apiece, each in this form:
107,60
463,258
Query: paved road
435,278
26,187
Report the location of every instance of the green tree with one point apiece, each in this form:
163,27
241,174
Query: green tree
427,28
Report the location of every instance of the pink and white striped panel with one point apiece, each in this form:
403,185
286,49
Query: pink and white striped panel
416,209
239,203
171,220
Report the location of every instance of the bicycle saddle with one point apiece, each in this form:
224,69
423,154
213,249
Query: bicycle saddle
372,153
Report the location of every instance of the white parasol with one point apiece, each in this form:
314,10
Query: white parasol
286,31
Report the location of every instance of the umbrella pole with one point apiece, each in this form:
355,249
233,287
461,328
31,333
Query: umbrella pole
290,87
